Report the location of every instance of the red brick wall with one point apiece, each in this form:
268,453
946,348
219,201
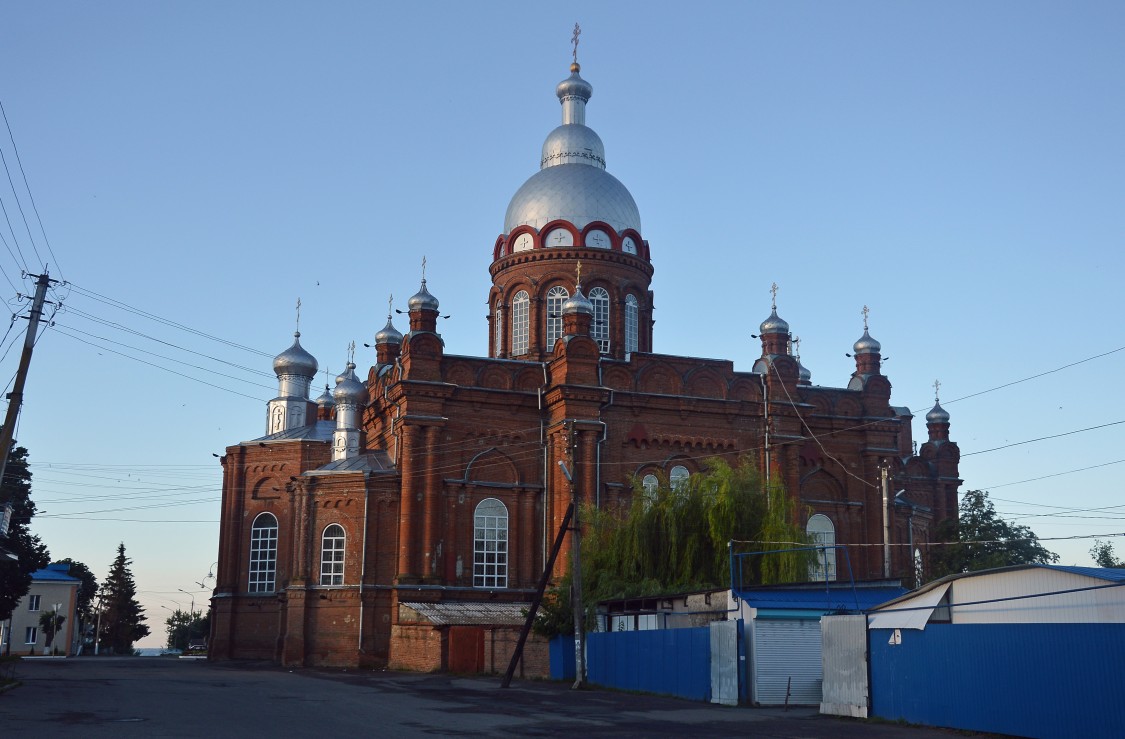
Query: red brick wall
417,648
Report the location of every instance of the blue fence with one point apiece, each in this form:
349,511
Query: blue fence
665,661
561,651
1035,680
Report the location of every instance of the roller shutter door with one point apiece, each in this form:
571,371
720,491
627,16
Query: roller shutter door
787,650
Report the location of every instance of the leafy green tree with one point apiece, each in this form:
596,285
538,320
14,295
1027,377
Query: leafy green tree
123,620
677,538
51,622
183,626
984,540
31,554
1103,554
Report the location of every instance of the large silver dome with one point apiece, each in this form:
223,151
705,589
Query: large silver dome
295,361
578,193
572,184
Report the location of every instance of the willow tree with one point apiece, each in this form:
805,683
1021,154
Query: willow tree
677,537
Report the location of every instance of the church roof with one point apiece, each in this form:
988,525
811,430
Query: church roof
470,613
319,431
374,461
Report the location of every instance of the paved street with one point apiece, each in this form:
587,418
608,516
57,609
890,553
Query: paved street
161,697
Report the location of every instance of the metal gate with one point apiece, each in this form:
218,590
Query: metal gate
786,659
844,640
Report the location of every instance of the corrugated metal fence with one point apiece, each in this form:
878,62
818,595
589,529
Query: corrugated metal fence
666,661
1035,680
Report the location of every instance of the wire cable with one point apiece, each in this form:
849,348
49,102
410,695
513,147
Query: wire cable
27,187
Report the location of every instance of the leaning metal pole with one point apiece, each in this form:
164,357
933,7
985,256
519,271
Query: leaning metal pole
539,590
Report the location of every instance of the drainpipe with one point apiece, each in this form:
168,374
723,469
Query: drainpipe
884,473
363,567
766,419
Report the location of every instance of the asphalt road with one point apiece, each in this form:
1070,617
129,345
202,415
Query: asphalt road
162,697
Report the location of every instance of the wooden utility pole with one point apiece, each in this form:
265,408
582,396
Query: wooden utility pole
15,398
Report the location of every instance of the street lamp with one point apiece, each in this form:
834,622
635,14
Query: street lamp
192,596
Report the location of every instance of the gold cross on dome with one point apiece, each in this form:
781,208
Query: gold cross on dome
937,388
773,296
574,40
578,271
797,345
351,352
866,310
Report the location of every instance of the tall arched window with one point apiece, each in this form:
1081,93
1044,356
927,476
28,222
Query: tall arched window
263,554
651,486
556,296
599,330
823,534
632,324
332,555
490,545
678,477
498,323
520,315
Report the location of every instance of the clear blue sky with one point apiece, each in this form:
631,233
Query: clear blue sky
958,167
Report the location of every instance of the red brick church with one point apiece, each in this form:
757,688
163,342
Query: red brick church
403,519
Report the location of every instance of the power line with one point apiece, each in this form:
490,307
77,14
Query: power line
27,187
166,369
1044,438
19,204
145,314
1045,477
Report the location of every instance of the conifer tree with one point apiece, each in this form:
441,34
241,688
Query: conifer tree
123,620
31,554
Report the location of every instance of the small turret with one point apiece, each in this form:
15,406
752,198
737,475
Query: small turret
868,359
295,369
388,341
937,420
423,307
349,395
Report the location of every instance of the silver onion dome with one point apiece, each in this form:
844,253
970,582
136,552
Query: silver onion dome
937,415
422,300
578,303
325,400
867,345
389,334
775,324
804,377
295,361
349,390
572,183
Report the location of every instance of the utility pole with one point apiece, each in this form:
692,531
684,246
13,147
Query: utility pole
576,567
15,398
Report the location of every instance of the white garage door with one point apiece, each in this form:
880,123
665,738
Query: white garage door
786,654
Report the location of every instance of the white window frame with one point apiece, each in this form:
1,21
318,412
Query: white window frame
31,635
650,484
333,542
521,313
632,324
263,554
599,329
33,602
821,529
490,544
556,296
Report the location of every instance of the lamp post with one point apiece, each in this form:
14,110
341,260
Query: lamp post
192,596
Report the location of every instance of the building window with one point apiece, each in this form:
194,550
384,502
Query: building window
678,478
520,305
556,296
823,534
263,554
33,602
632,321
651,486
332,556
498,322
490,545
31,635
599,331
